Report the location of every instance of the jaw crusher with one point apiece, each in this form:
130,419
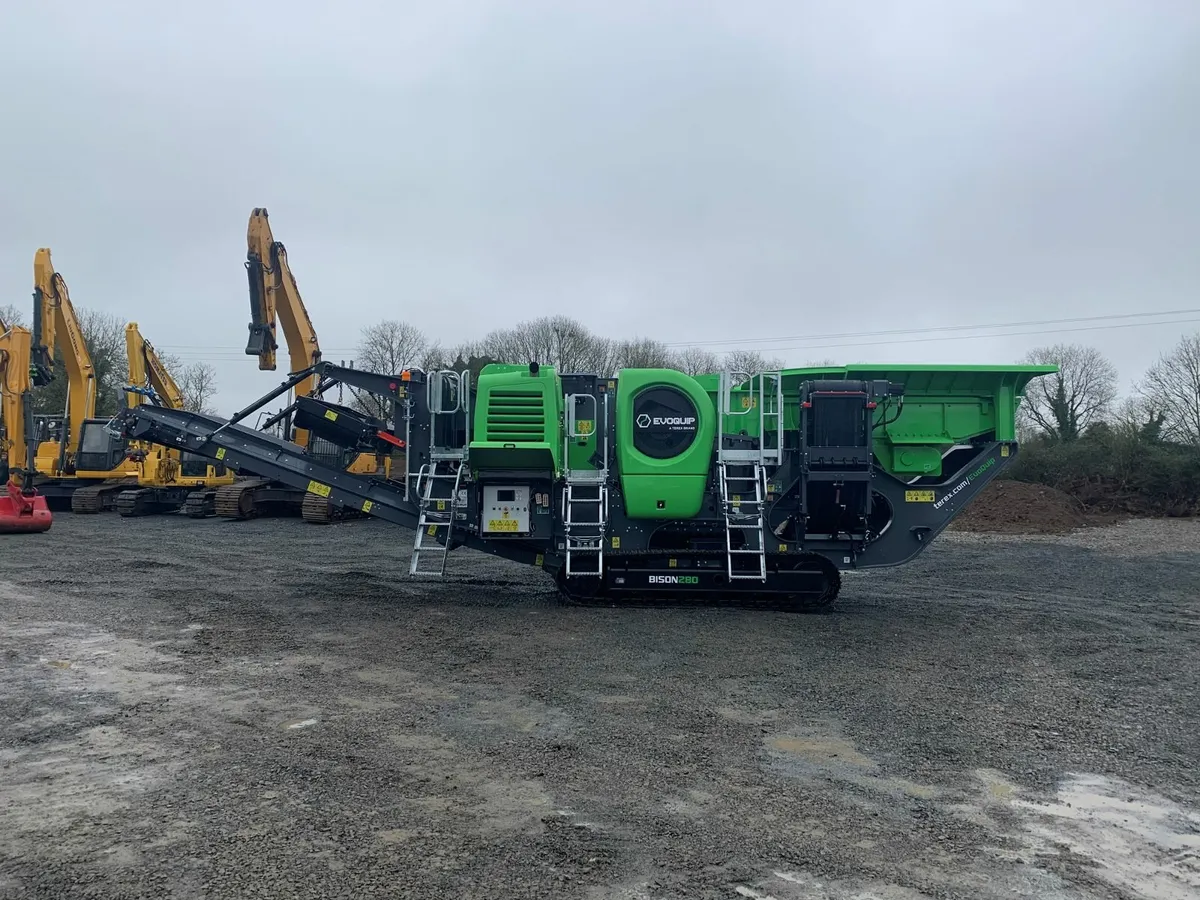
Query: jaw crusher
752,488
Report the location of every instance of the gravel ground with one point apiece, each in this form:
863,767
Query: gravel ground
270,709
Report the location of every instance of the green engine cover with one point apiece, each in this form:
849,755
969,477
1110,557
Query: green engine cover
666,424
517,422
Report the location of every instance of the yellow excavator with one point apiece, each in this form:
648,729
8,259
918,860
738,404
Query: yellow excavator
22,509
87,462
275,297
168,479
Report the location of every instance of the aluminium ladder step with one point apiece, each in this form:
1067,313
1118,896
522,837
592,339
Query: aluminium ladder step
744,516
431,519
590,543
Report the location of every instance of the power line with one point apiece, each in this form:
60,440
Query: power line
932,329
970,337
912,336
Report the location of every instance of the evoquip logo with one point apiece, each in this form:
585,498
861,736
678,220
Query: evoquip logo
674,579
645,421
665,421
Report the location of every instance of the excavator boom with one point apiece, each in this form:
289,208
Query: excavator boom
22,509
146,370
273,292
54,319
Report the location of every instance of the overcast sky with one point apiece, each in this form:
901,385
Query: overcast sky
738,172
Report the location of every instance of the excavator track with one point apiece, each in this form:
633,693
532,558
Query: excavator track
320,511
236,501
134,503
94,498
201,504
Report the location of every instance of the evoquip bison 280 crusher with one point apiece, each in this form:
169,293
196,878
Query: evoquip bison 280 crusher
732,487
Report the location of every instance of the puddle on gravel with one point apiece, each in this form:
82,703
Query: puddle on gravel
1137,840
827,755
821,750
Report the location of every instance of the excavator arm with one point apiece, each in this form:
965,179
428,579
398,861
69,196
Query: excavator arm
273,291
15,346
55,323
22,510
146,370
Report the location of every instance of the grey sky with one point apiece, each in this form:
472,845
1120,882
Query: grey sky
686,170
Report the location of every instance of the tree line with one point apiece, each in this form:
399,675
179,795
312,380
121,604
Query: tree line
558,341
104,336
1138,453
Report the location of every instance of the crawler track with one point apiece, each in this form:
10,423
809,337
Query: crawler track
95,498
236,501
201,503
320,511
583,591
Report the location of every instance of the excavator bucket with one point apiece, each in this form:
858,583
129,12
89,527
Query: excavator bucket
23,513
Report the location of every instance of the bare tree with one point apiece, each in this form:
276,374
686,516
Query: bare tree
696,361
1081,393
10,315
751,362
1172,387
390,346
198,383
556,341
1138,417
104,337
640,353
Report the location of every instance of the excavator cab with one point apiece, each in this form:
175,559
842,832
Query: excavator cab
193,465
99,449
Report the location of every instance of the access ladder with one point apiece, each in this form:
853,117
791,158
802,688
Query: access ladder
437,486
440,481
585,514
585,494
743,502
742,467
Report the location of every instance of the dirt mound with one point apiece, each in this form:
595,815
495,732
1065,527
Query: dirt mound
1018,507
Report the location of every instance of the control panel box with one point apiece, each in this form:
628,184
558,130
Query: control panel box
505,509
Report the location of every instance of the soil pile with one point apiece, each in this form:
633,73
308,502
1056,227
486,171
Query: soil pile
1018,507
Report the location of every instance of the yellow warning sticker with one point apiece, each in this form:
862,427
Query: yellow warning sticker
919,496
584,426
1004,450
502,525
367,504
221,453
539,559
321,490
616,542
783,548
331,415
